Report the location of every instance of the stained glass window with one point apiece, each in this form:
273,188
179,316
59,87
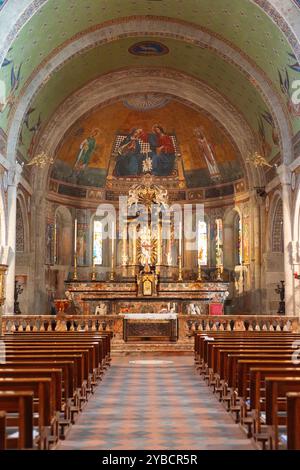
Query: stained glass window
219,242
238,240
98,242
20,245
202,242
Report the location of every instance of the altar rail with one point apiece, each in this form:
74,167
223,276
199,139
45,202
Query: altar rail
187,324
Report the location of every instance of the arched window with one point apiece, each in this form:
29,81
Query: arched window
20,245
238,240
62,236
277,228
98,242
219,242
202,242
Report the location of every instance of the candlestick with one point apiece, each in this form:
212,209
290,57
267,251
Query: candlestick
55,243
75,268
179,268
112,274
199,278
113,239
124,245
75,237
93,277
180,239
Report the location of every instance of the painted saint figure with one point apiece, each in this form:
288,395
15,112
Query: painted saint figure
162,151
86,150
208,154
130,157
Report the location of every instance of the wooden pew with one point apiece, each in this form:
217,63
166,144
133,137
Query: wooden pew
103,340
79,358
85,371
22,404
257,405
276,389
42,403
203,341
55,376
2,430
293,420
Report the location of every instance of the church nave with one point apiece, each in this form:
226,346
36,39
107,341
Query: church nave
154,402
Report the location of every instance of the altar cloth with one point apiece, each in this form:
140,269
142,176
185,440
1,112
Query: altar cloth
150,316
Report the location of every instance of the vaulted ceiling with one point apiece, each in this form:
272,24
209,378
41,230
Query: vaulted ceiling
63,37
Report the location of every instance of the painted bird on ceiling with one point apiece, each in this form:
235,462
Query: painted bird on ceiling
296,65
15,78
267,116
6,61
284,81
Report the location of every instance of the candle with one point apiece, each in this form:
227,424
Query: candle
180,238
75,237
112,239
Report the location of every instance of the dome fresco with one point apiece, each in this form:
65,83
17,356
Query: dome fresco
200,63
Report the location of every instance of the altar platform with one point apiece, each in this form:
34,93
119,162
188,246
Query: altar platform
150,326
121,297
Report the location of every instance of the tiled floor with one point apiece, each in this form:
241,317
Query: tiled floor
154,406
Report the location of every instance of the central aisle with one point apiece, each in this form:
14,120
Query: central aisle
154,405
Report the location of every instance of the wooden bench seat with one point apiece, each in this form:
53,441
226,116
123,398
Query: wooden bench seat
20,403
293,420
55,376
72,363
276,389
2,430
43,404
257,392
234,363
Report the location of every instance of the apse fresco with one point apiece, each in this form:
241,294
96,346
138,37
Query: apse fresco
119,142
141,152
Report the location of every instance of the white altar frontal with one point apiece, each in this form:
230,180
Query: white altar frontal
150,327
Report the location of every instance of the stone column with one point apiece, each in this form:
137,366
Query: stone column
256,253
39,210
285,179
14,176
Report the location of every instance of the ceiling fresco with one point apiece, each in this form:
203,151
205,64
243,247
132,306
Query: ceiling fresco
200,63
201,148
238,22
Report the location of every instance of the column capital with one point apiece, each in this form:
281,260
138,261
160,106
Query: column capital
284,174
14,174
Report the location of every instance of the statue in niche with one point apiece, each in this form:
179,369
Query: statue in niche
101,309
193,309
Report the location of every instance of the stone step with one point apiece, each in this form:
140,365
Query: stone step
151,347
